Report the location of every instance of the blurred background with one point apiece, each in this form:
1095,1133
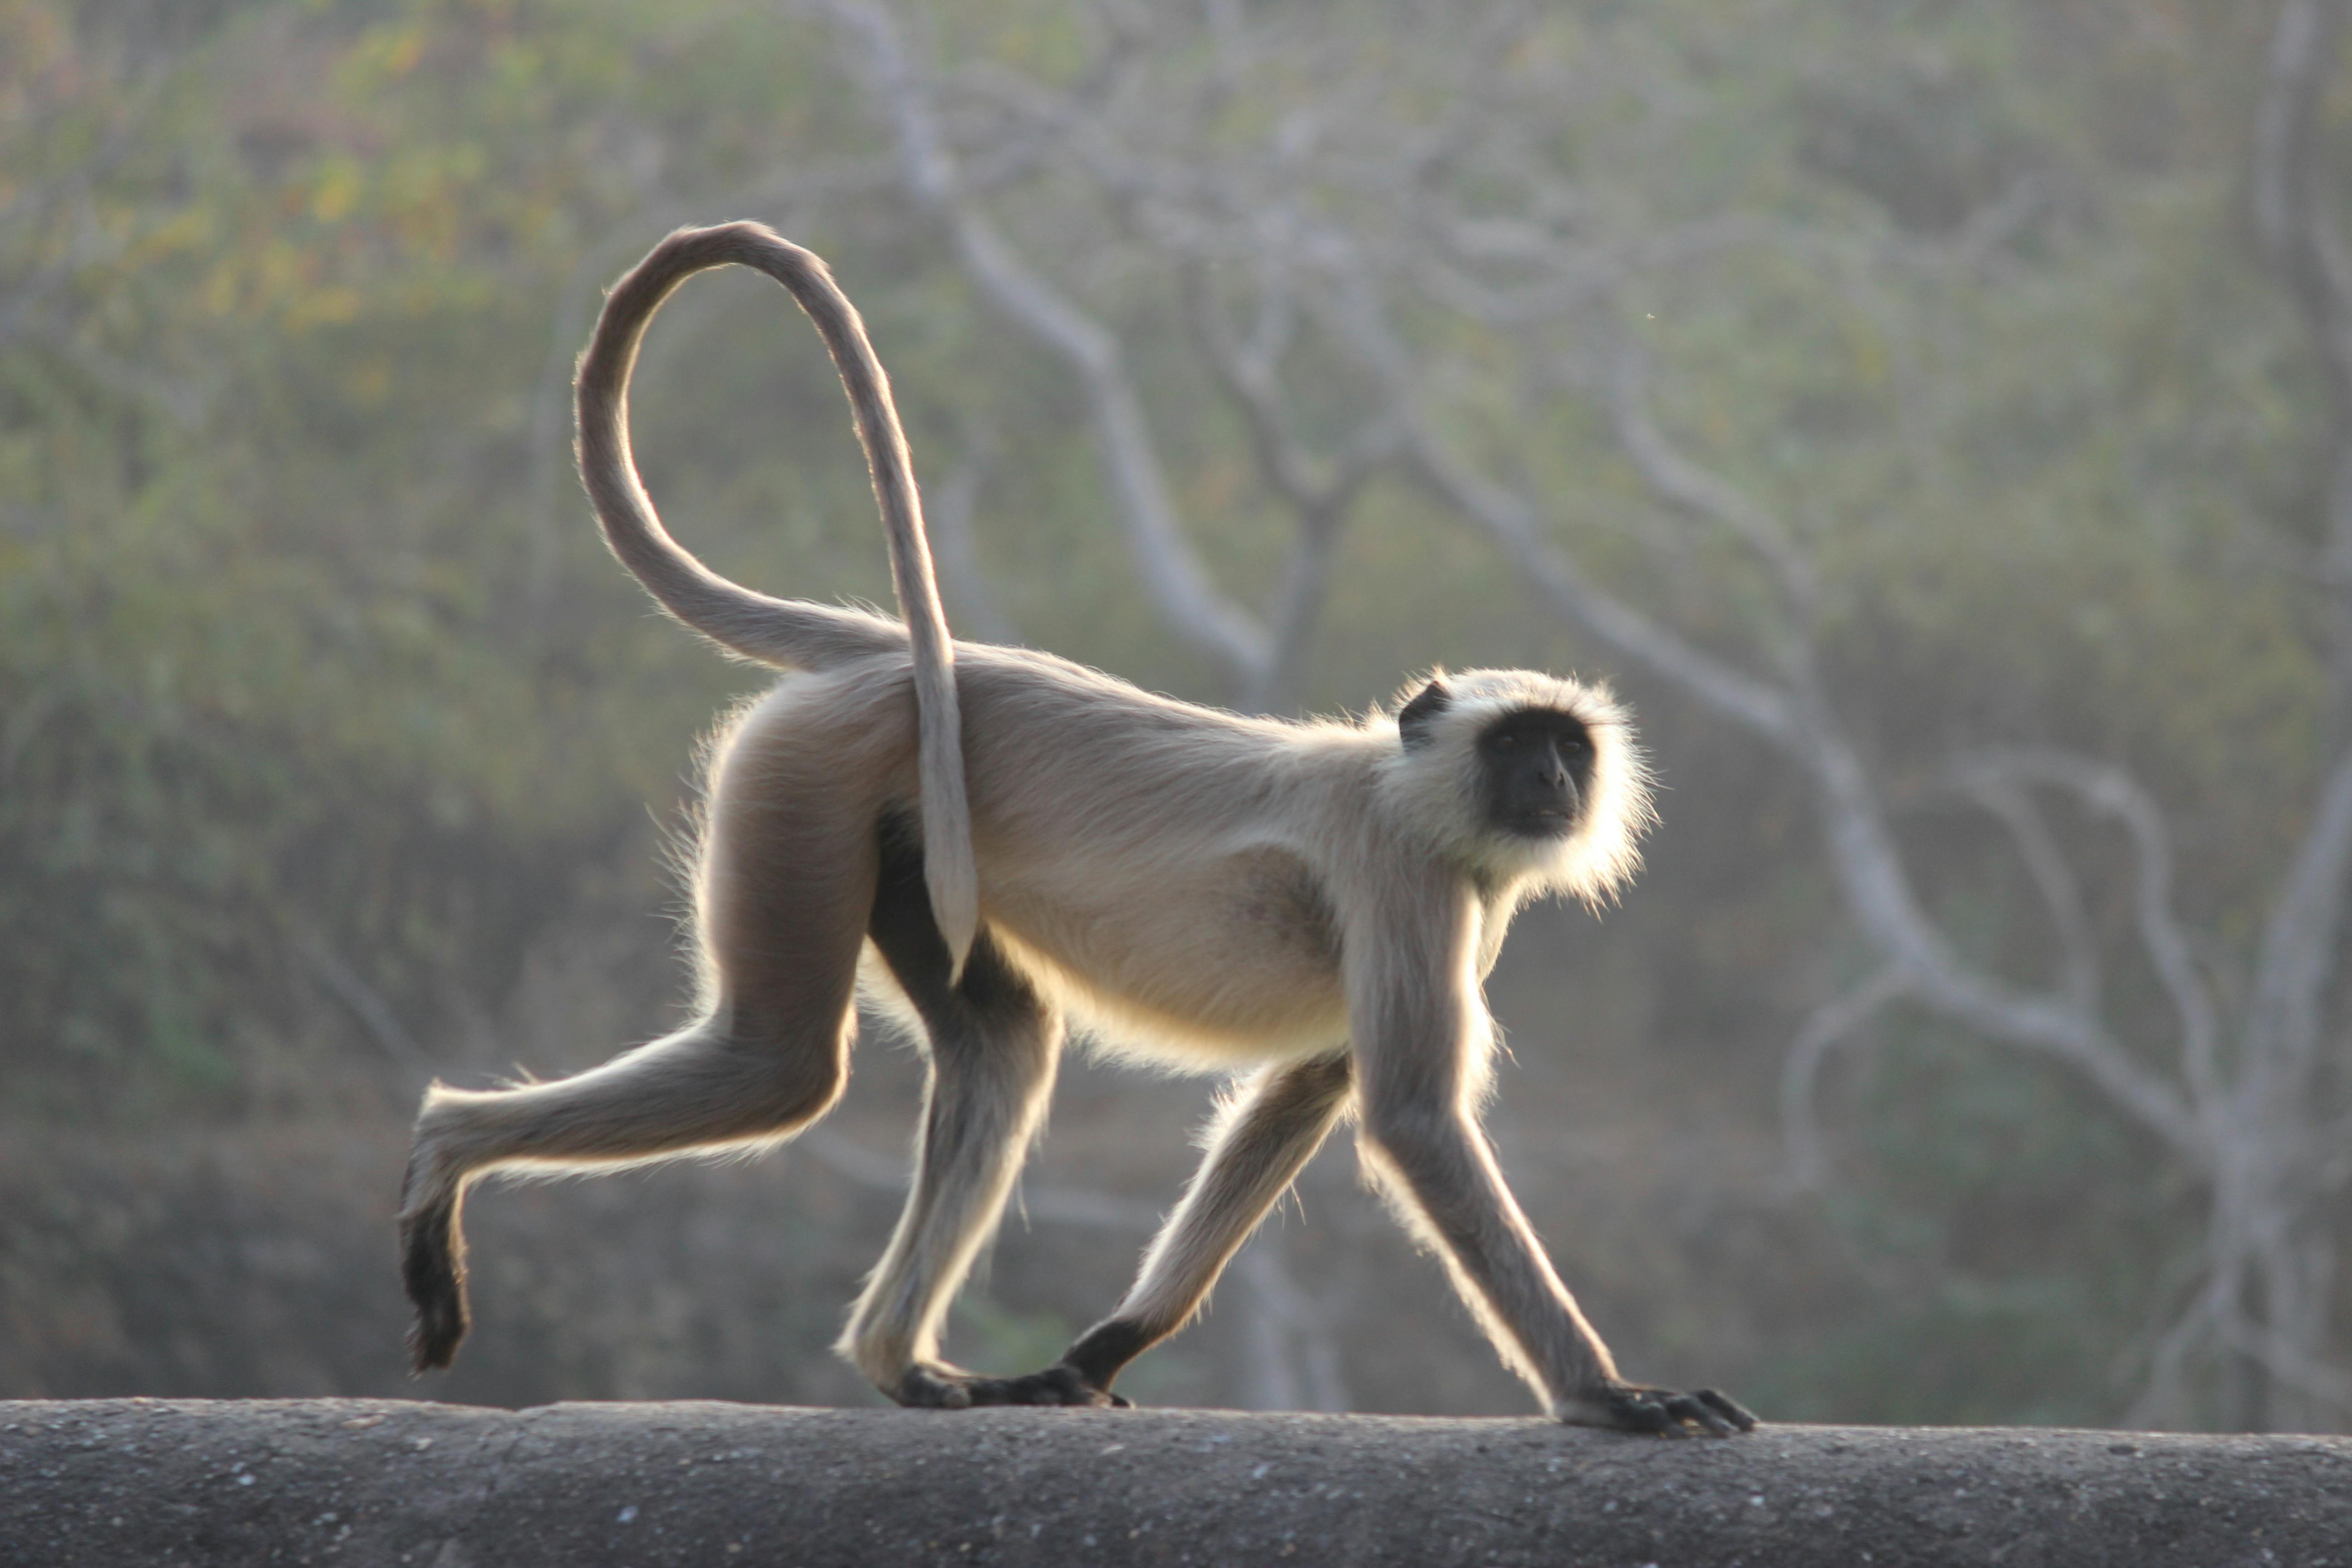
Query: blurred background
1935,416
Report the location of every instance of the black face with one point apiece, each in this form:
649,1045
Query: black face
1538,768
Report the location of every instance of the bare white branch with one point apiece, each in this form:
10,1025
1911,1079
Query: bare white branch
2299,941
1351,205
1691,488
1870,866
2053,876
954,500
1319,491
2289,216
1801,1069
549,458
376,1017
1511,521
1289,1334
2111,791
1169,570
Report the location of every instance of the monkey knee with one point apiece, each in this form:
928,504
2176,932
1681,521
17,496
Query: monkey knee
803,1091
778,1080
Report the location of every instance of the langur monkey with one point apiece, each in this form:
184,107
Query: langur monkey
996,841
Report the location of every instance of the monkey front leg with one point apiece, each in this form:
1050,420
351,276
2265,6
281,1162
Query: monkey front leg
1421,1052
1256,1150
1440,1173
991,1074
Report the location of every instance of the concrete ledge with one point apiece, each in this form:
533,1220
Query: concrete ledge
133,1482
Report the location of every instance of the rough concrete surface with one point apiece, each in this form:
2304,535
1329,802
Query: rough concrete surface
133,1482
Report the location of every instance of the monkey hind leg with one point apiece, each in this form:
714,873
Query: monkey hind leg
994,1043
701,1089
991,1076
786,884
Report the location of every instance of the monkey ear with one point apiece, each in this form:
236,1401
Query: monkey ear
1415,717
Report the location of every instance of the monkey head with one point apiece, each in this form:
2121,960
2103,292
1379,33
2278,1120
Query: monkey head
1529,778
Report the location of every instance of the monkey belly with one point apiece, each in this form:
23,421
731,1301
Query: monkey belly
1230,962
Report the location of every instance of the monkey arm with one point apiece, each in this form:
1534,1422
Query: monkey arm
1423,1039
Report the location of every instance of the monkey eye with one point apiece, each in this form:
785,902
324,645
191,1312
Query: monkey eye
1506,742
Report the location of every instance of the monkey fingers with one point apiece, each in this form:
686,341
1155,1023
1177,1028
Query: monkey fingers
1061,1383
936,1387
1668,1413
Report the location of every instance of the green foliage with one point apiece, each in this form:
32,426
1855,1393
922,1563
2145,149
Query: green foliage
306,645
2010,1239
277,672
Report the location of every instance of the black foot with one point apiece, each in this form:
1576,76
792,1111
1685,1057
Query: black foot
930,1386
434,1271
1628,1408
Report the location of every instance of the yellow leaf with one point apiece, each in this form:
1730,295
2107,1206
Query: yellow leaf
338,190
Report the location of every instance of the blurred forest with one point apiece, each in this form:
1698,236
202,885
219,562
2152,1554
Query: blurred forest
1935,415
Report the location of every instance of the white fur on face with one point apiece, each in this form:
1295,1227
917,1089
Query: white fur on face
1438,785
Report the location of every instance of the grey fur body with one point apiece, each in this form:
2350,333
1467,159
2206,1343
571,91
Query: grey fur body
1315,904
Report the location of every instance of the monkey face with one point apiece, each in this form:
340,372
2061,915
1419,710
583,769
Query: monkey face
1538,768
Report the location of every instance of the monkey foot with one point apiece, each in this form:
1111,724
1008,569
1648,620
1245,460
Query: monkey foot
1628,1407
434,1273
930,1386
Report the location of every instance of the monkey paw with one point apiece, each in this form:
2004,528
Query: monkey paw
930,1386
1628,1407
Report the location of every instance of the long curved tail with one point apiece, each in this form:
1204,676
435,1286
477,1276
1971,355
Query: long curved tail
777,631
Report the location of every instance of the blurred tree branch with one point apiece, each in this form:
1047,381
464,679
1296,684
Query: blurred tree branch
546,523
2293,221
1319,489
948,511
1170,570
1259,655
1351,219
